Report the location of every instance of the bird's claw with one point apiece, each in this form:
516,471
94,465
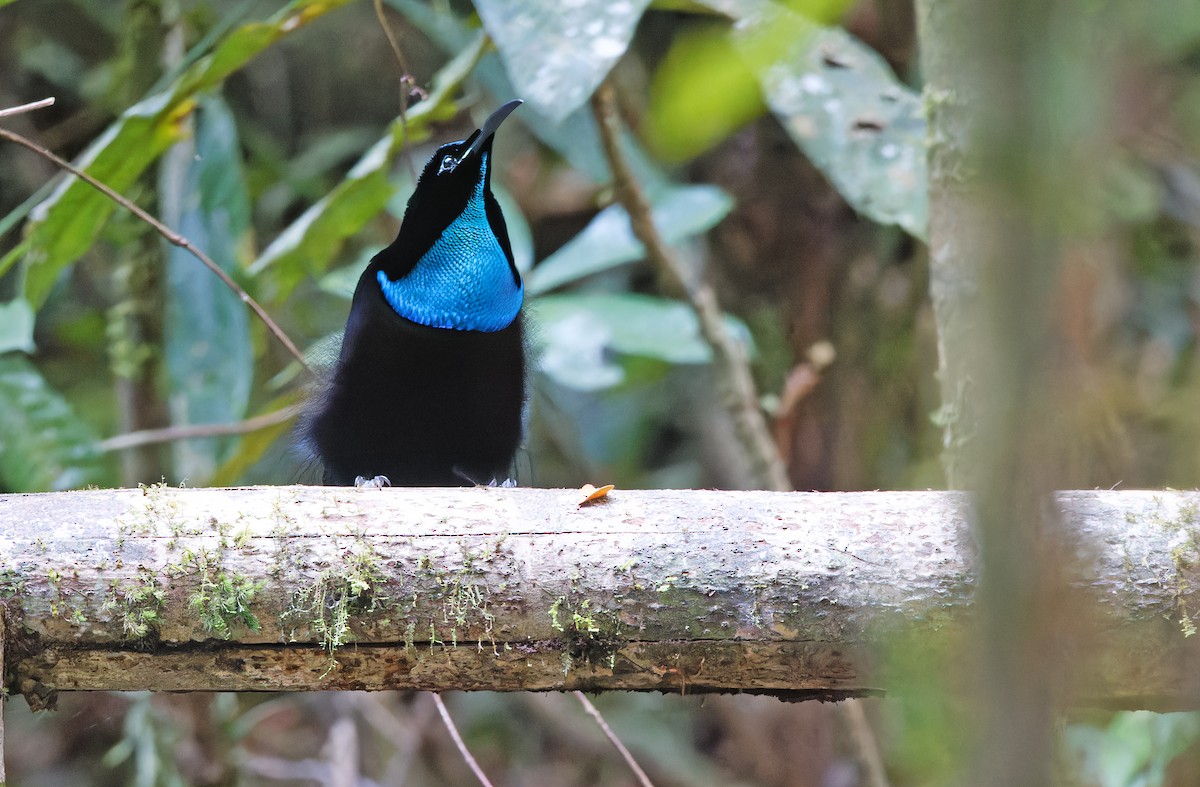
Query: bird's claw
378,482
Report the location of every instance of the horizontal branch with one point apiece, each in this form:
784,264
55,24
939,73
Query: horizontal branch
299,588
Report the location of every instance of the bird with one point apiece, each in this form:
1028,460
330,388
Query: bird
429,385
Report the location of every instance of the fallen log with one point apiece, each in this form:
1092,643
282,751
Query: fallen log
312,588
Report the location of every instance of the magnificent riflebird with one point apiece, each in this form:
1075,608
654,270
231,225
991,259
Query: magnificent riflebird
429,386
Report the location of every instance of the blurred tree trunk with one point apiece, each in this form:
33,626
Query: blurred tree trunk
135,319
1008,112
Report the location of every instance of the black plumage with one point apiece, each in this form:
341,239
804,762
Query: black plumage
433,397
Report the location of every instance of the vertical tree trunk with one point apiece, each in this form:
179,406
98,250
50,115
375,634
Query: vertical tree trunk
135,319
1003,102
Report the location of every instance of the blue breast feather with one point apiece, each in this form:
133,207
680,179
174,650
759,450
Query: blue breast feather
464,281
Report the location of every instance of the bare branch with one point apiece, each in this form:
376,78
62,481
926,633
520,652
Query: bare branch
23,108
458,741
172,237
731,364
642,778
172,434
406,82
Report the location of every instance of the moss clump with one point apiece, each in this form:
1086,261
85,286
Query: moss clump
335,595
589,634
221,599
12,583
1185,557
138,605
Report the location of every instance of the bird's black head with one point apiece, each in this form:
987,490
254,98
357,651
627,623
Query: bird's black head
452,265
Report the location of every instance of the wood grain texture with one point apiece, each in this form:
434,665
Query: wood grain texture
308,588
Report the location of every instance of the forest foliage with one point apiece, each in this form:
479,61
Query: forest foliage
783,147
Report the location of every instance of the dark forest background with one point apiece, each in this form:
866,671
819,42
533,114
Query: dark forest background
783,149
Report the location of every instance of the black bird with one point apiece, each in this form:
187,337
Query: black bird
429,387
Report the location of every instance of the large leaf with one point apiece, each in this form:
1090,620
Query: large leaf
209,357
579,339
608,240
840,102
65,225
313,240
574,137
16,326
558,53
1135,750
836,97
43,444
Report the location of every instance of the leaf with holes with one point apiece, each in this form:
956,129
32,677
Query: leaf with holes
841,104
557,52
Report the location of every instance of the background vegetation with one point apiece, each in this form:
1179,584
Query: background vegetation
783,148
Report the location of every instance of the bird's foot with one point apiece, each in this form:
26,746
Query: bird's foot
507,483
378,482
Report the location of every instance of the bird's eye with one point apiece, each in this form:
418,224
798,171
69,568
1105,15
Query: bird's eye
448,164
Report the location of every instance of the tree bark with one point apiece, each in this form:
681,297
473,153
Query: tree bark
791,594
3,698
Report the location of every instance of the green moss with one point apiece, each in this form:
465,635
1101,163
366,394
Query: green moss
137,603
463,594
338,592
221,599
1185,557
223,602
12,583
590,634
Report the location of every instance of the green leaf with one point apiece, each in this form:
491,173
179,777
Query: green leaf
574,137
43,443
557,53
579,338
310,242
702,92
520,237
16,326
607,241
65,225
209,354
845,109
1136,748
253,446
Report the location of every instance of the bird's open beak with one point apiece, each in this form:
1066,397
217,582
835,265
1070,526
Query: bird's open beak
489,127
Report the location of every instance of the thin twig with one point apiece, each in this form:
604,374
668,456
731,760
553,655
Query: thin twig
458,741
172,237
405,734
23,108
406,80
170,434
854,716
642,778
738,392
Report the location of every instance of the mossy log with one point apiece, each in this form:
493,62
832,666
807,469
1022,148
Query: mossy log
309,588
